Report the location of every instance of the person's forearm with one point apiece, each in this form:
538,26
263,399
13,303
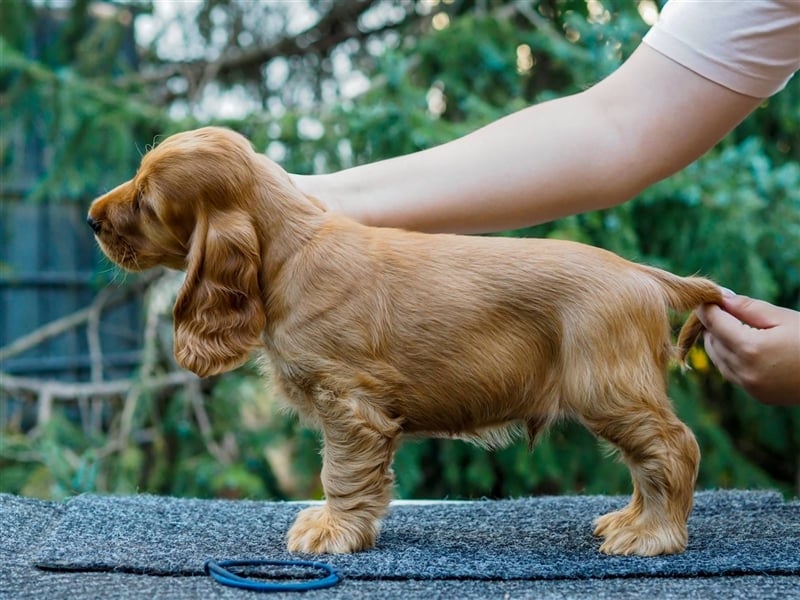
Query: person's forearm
518,170
589,151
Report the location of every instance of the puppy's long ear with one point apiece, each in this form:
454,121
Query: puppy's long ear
219,314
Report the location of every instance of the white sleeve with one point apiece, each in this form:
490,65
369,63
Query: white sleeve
749,46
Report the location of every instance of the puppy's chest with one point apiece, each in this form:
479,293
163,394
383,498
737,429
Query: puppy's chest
293,382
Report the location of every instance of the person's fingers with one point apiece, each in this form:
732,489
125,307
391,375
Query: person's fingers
723,358
706,313
755,345
721,324
755,313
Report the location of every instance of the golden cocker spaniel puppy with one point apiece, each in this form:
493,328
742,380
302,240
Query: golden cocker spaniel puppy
375,333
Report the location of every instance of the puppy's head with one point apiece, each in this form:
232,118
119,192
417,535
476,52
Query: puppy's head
150,219
190,207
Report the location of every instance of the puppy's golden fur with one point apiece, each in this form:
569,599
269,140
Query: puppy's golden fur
373,333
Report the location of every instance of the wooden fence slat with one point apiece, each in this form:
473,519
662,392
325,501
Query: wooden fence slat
47,261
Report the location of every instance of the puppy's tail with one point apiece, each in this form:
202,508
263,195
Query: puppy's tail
686,293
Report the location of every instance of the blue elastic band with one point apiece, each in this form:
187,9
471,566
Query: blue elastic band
221,575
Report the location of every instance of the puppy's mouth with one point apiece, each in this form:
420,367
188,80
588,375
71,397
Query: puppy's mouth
121,253
126,255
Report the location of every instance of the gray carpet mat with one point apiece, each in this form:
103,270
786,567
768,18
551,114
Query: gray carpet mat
730,533
23,523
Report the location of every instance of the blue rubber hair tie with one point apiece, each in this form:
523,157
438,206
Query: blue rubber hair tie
220,574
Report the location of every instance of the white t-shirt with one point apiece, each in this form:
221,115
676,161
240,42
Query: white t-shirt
749,46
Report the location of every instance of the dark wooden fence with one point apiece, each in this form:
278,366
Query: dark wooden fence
50,268
51,273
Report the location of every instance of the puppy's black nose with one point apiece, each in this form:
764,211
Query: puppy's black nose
93,223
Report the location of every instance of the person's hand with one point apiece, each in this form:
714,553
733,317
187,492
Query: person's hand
755,345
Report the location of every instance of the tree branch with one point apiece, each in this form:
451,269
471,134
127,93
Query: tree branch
334,27
59,326
70,391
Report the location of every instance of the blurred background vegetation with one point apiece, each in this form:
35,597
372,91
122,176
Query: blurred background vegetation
322,85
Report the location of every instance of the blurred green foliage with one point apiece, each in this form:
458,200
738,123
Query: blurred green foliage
734,215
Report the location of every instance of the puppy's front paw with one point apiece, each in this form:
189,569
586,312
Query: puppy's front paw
640,539
615,521
318,531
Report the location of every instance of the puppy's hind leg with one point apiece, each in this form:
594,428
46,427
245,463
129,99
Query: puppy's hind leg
663,458
357,478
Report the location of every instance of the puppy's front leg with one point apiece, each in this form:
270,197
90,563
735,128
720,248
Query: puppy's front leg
356,475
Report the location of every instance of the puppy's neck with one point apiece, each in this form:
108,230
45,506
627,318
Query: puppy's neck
286,218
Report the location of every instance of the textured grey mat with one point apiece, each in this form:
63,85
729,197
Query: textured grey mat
23,522
730,533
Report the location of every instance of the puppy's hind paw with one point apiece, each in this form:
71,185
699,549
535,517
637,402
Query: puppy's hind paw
317,531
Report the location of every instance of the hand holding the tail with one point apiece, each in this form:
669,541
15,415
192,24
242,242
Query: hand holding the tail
755,345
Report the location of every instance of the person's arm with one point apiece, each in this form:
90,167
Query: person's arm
755,345
592,150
